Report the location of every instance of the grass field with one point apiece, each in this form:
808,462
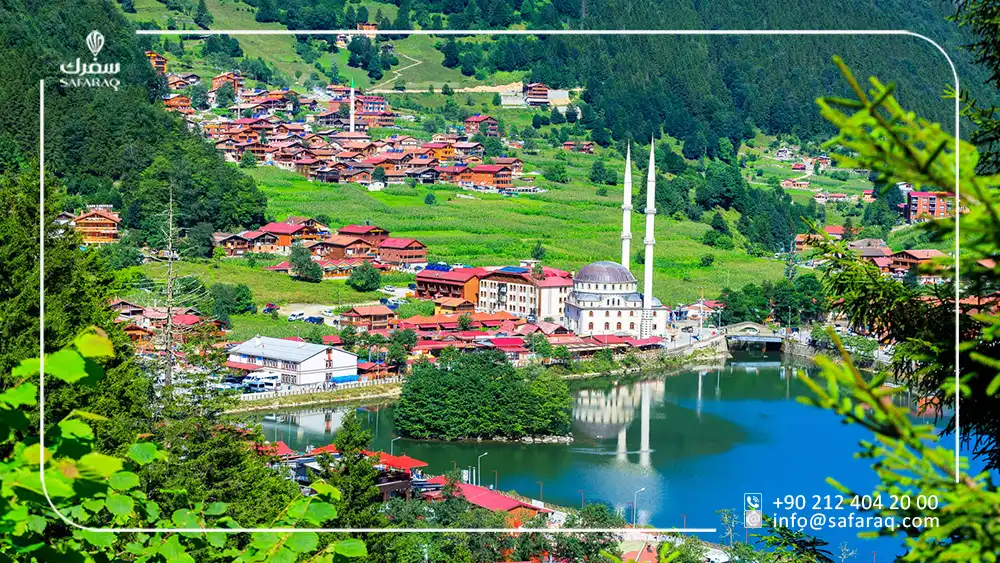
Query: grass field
267,287
573,224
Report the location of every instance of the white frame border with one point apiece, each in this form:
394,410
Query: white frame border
624,32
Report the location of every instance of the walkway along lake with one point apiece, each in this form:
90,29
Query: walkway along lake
697,441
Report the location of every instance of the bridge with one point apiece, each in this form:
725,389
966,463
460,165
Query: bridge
747,333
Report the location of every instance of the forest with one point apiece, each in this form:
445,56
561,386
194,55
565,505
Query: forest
113,147
481,395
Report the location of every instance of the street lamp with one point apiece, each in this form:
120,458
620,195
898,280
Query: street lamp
391,443
496,479
635,507
539,490
479,467
581,498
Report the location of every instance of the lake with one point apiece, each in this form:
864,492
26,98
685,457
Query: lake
696,441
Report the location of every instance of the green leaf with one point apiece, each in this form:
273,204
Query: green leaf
103,465
32,454
350,548
152,511
216,508
94,505
302,542
124,480
173,551
120,505
283,555
216,539
23,394
326,489
93,345
100,539
143,453
184,518
320,512
88,415
73,428
66,365
31,366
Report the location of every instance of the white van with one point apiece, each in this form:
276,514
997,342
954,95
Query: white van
297,316
259,382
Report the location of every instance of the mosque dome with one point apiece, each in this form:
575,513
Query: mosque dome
604,272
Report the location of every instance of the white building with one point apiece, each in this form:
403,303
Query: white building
605,298
519,291
298,363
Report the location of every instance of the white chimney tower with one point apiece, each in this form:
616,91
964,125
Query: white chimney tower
627,210
646,325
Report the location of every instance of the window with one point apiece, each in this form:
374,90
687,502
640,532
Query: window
590,313
590,326
619,327
607,326
619,313
631,326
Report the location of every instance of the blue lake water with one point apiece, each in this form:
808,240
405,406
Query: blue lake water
696,441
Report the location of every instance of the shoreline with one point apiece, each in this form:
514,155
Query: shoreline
390,391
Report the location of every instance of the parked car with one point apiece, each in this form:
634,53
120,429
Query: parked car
411,286
315,320
328,313
390,288
383,300
270,308
297,316
262,383
687,329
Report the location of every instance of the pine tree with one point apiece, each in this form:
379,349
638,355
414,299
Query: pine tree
202,18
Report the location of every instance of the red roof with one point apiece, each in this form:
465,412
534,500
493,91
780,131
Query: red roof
327,449
478,118
278,448
457,275
931,194
404,462
834,229
242,366
398,243
332,340
187,320
490,168
281,228
485,498
357,229
370,311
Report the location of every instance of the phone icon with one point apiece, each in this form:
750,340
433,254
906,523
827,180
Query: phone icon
752,501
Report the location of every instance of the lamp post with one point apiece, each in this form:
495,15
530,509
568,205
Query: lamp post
479,467
539,490
496,479
454,465
635,507
581,498
392,443
685,518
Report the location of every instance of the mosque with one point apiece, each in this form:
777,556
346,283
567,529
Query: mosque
605,298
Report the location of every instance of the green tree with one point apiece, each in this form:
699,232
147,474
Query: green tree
378,174
496,100
248,160
365,278
556,172
430,199
446,90
538,252
464,322
303,266
225,95
199,96
202,17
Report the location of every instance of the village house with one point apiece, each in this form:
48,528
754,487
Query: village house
799,166
339,247
402,253
449,174
374,317
467,149
158,62
484,124
368,27
232,244
795,184
298,363
444,151
232,78
356,176
175,82
371,234
515,164
922,206
460,283
177,102
370,104
377,118
425,175
579,146
453,306
868,196
493,176
905,260
519,291
535,94
97,225
261,242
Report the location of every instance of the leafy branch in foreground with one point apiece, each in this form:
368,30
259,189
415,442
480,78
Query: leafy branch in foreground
881,136
101,491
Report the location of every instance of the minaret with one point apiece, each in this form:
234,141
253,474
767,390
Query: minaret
646,325
352,105
627,210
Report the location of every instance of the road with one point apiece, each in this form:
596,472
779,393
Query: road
398,73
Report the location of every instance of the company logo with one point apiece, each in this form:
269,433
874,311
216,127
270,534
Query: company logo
93,74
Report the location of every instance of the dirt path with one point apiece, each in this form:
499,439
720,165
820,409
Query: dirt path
398,73
512,87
